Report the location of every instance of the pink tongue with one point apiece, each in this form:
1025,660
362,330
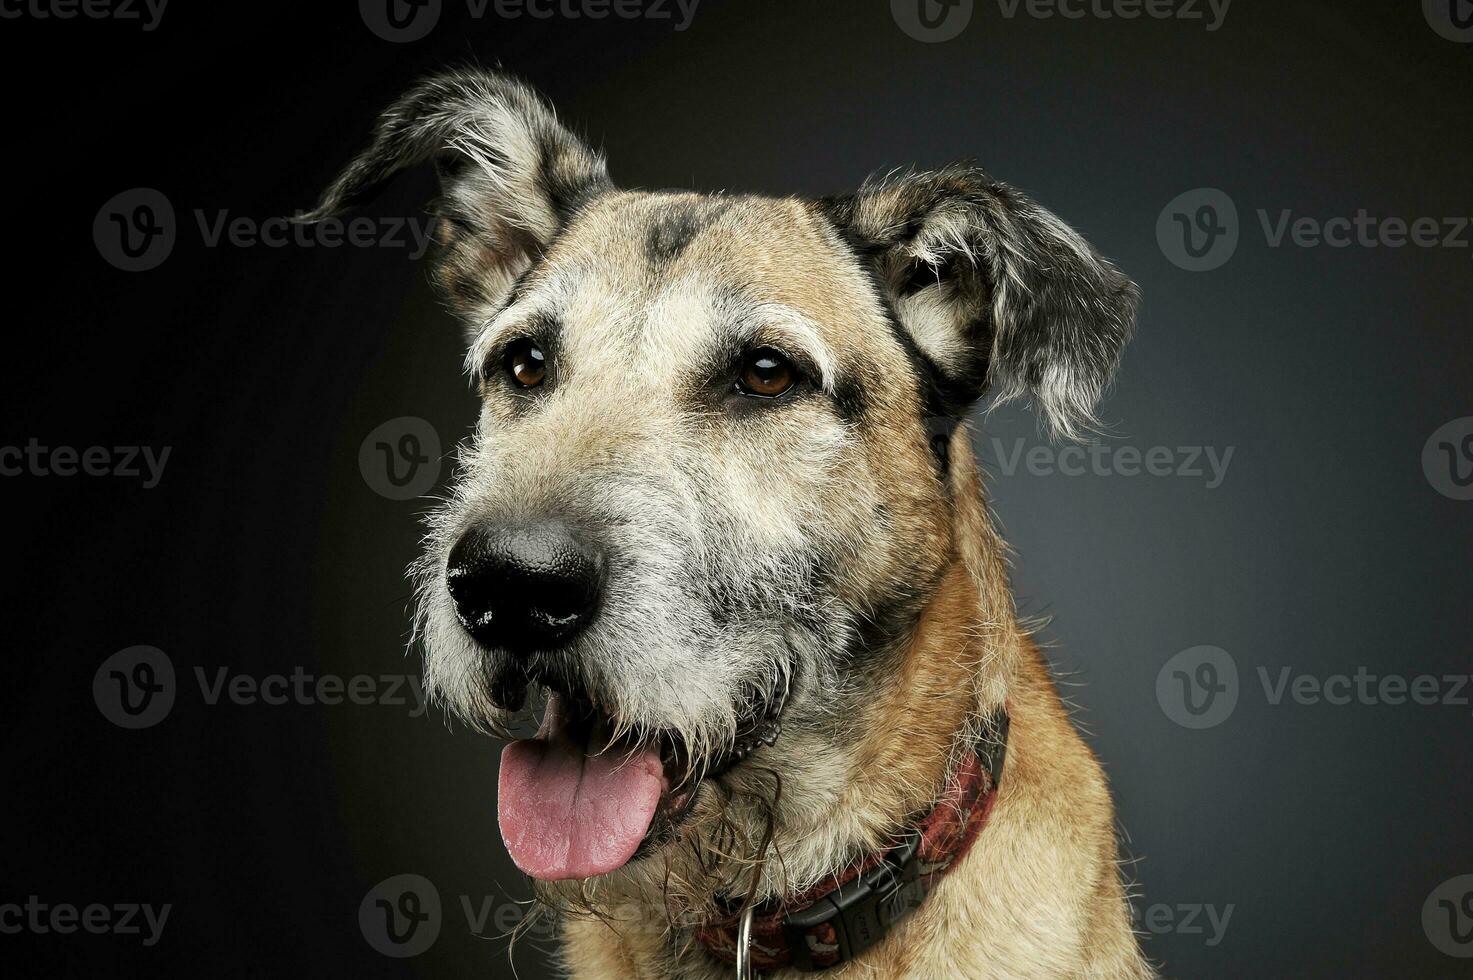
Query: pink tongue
567,814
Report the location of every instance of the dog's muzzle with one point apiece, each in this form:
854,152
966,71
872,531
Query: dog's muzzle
590,791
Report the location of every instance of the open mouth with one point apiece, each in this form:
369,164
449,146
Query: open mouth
575,802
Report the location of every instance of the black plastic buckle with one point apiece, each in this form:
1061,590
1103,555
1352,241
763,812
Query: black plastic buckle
861,911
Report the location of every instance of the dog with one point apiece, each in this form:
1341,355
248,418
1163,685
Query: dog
722,511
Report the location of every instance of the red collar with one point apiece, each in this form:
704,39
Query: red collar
849,912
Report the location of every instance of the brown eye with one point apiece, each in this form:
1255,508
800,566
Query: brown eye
526,363
766,374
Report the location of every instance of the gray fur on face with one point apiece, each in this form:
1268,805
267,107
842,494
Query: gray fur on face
701,616
715,522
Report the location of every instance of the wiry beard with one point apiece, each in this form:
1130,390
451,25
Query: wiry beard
696,634
705,621
712,864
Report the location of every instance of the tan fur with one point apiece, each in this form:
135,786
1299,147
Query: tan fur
1040,894
816,546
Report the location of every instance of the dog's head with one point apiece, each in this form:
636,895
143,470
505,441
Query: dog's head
713,483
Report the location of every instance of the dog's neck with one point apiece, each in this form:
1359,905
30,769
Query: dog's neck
955,669
951,672
1060,913
951,676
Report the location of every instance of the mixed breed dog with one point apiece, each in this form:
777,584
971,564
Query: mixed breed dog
721,513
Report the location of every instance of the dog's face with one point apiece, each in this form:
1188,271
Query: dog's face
711,486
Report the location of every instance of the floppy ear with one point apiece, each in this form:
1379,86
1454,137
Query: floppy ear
511,175
994,292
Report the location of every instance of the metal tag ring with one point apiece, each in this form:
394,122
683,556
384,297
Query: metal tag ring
744,946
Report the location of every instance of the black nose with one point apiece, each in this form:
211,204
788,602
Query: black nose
532,587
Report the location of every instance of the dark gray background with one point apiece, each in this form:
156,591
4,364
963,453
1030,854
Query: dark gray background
263,548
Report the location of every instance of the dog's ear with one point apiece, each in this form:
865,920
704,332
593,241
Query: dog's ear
511,176
995,293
